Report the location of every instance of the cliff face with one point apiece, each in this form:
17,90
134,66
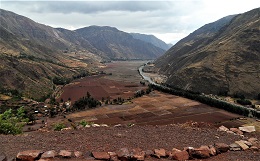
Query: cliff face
221,57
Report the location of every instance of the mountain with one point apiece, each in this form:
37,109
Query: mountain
152,39
32,54
220,57
117,44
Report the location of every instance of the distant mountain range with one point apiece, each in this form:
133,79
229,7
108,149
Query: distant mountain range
117,44
153,40
32,53
220,58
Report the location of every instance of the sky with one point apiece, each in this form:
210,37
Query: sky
170,21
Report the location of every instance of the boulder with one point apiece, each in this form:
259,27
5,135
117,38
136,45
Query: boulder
223,128
180,155
101,155
65,154
237,131
234,147
159,153
138,154
29,155
49,154
123,154
221,147
201,153
3,157
247,128
242,144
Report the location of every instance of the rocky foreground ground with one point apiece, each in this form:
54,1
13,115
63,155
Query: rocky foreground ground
113,139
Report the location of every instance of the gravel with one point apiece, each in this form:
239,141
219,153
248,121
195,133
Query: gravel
114,138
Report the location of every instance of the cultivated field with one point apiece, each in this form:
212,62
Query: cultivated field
158,109
123,82
154,109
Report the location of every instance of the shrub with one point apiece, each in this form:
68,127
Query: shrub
10,123
59,126
83,123
244,102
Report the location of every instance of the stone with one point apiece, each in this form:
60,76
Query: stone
95,125
242,144
65,153
88,156
159,153
138,154
180,155
87,126
123,154
104,125
254,148
29,155
149,153
234,147
101,155
175,150
253,140
49,154
212,150
223,128
201,153
189,150
78,154
221,147
3,157
112,154
230,132
249,144
237,131
247,129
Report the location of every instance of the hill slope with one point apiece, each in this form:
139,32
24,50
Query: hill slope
151,39
32,54
118,44
220,57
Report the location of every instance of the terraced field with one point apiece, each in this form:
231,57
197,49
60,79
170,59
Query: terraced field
154,109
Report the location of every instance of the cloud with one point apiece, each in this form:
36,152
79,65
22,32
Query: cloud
167,19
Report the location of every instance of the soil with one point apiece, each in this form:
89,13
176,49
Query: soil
113,138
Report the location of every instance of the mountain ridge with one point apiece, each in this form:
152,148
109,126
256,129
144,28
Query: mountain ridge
217,58
151,39
32,54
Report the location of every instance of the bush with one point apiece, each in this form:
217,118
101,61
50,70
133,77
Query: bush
12,124
84,123
244,102
59,126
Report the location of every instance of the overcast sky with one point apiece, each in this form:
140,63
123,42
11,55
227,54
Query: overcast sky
168,20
